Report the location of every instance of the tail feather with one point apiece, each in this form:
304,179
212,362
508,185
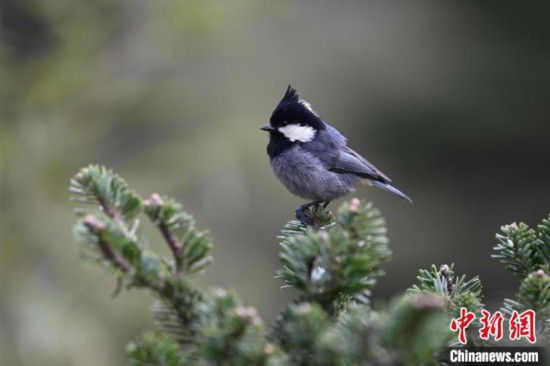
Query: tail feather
391,189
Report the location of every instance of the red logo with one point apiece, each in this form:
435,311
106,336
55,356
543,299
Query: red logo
523,325
492,325
520,325
462,323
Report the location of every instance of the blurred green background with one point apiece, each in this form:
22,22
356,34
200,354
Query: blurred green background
450,99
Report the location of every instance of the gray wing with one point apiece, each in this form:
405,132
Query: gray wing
350,161
336,135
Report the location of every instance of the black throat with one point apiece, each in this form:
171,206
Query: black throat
278,143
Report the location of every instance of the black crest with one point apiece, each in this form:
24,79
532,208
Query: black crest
292,109
291,95
291,98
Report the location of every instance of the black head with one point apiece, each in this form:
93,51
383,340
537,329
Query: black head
294,110
292,122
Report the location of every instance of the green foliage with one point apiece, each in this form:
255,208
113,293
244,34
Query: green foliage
417,329
212,326
457,292
102,239
355,339
299,331
230,331
104,236
171,323
534,293
411,332
521,249
154,348
544,236
97,185
526,253
189,246
333,263
339,261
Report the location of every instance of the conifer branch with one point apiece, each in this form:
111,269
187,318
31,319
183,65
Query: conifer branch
544,236
338,262
96,184
300,332
97,227
154,204
526,253
417,329
155,349
456,291
189,246
534,293
520,249
333,262
106,237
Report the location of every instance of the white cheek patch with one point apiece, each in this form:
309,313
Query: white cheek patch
298,133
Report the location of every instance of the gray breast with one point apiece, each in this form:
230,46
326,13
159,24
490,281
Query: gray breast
305,176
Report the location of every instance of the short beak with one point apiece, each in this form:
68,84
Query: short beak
267,128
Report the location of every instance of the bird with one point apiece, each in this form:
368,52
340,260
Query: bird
311,158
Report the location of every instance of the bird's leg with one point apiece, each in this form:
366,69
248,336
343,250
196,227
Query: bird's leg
318,209
318,215
304,215
308,205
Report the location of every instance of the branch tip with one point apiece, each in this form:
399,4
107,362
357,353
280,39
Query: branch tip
93,223
269,349
155,200
354,204
246,312
428,302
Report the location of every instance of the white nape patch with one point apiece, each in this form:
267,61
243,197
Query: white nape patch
307,105
298,133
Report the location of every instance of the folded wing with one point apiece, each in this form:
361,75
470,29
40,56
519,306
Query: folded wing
350,161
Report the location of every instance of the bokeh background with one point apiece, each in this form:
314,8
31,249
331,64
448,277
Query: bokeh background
449,98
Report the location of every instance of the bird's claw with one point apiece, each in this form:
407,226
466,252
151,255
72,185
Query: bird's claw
304,215
313,216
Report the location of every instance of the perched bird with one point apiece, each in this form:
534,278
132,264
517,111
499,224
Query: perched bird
311,158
